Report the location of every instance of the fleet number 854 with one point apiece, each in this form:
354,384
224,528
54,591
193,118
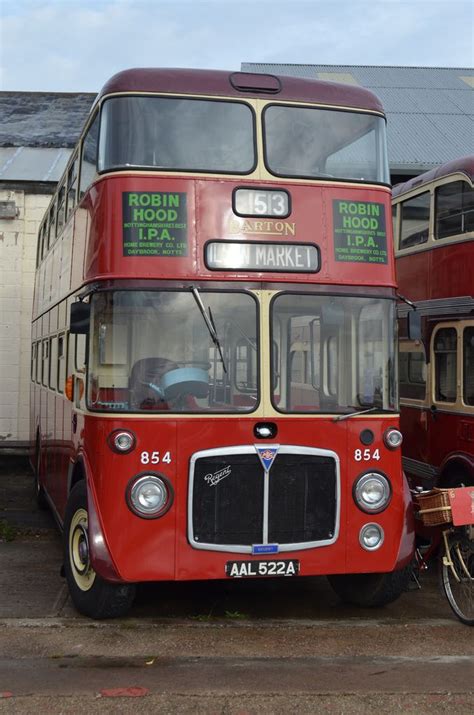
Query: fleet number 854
155,458
365,455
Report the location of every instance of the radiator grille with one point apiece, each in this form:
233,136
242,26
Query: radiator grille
228,506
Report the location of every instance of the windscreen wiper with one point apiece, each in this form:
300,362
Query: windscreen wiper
374,408
209,320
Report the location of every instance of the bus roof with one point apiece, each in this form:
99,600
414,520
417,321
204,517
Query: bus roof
241,84
463,165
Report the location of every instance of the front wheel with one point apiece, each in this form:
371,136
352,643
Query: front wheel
91,594
370,589
457,572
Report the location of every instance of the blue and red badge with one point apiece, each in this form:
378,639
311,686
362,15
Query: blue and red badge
267,455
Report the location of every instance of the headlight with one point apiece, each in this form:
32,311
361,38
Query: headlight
372,492
392,438
371,537
149,496
121,441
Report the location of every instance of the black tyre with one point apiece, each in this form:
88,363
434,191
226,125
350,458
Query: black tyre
457,573
370,589
91,595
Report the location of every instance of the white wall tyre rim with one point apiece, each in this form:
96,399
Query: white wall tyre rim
83,573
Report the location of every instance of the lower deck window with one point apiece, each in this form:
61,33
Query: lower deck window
445,353
332,353
468,366
178,351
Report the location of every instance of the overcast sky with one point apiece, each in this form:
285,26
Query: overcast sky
76,45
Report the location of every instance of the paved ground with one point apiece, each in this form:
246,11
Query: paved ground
225,647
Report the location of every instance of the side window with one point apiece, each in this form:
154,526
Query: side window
38,362
454,209
39,248
61,214
71,187
34,353
44,362
415,220
53,363
412,369
44,239
445,355
61,362
468,366
52,224
89,155
394,224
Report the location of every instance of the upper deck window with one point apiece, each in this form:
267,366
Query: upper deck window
89,155
309,142
415,220
454,212
177,134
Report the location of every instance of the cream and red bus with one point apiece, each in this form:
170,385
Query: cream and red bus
434,229
214,388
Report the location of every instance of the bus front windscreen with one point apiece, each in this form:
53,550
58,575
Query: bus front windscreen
333,353
173,351
312,142
177,134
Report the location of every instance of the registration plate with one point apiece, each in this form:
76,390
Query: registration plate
246,569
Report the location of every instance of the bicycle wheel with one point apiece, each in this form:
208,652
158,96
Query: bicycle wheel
457,572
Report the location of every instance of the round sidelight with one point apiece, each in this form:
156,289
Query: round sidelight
372,492
371,537
393,438
122,441
149,496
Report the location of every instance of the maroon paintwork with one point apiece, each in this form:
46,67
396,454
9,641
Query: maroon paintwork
220,83
209,207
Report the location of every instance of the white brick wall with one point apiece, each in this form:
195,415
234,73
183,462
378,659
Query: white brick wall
17,271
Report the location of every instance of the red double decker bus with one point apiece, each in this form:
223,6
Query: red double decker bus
434,228
214,391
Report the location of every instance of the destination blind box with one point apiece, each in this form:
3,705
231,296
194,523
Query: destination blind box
262,256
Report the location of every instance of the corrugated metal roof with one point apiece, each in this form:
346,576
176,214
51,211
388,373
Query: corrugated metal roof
32,164
42,119
430,110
